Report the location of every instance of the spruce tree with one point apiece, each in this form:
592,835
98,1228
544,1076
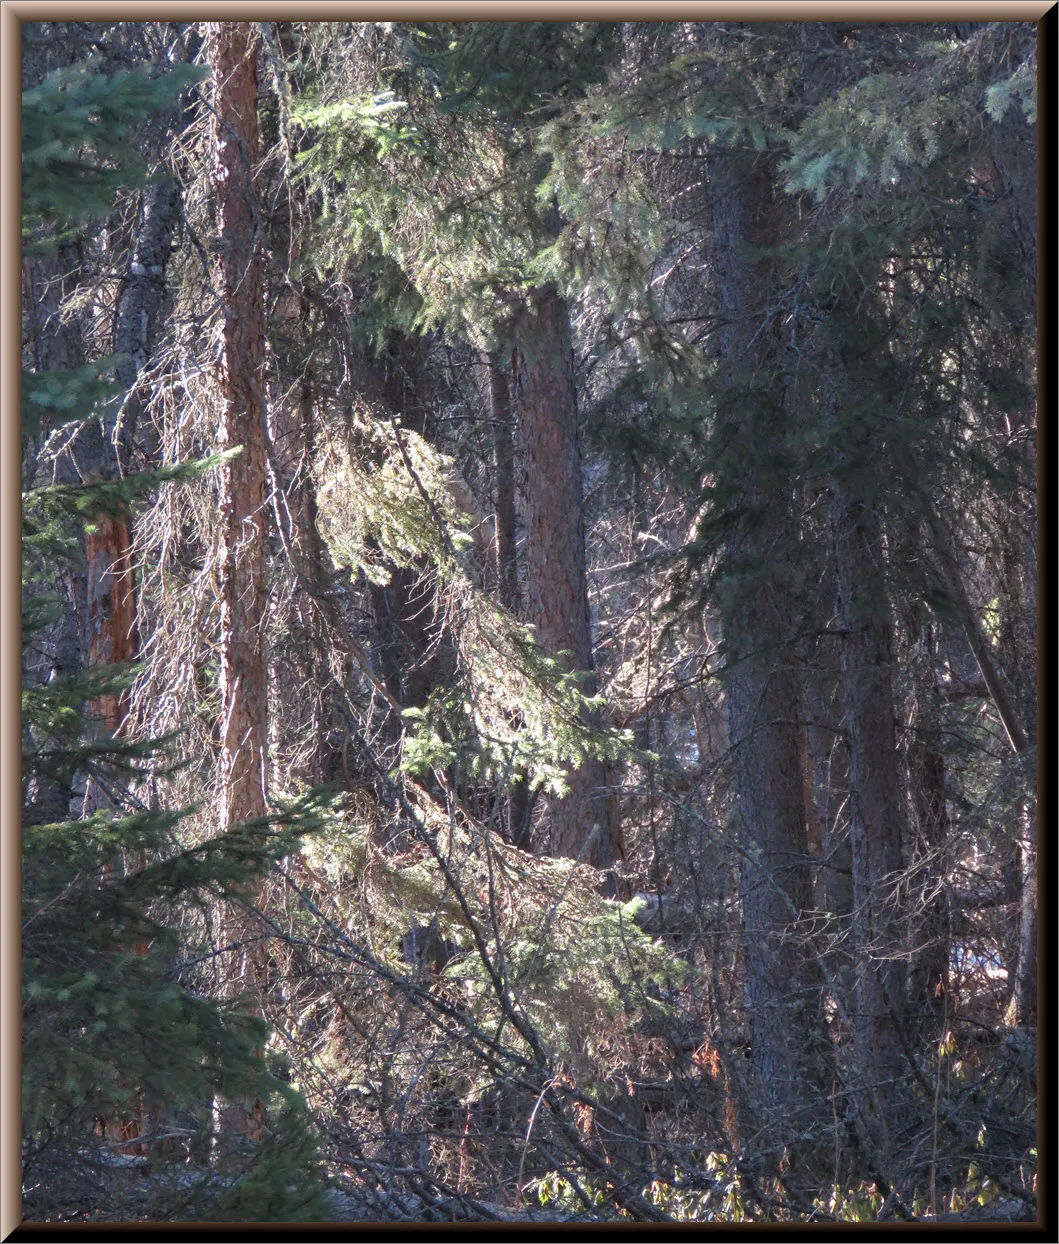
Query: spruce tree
111,1030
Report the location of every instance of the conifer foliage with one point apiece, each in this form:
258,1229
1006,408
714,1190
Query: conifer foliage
530,621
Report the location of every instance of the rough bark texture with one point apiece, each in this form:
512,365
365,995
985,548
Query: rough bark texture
103,449
243,546
243,550
876,800
556,587
1023,1008
139,304
762,694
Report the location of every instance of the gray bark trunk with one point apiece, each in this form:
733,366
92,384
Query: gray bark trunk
762,693
929,932
828,775
876,799
1023,1008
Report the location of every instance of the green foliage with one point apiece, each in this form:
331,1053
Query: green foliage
61,396
76,152
870,132
512,707
278,1179
108,1030
1020,90
458,198
373,124
520,69
76,155
574,964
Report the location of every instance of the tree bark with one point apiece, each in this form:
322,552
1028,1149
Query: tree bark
243,543
762,693
243,548
555,601
103,451
414,652
876,799
828,803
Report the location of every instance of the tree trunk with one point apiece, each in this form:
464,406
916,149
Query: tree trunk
415,654
243,545
1023,1007
828,801
103,453
929,948
876,799
242,555
556,586
762,693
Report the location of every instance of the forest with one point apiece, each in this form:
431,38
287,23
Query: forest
529,622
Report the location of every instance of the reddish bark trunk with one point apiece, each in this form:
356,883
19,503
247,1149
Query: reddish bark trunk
555,600
233,53
243,548
111,609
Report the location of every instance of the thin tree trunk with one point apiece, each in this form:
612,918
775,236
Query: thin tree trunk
1018,657
1023,1007
929,950
828,803
947,571
876,808
555,601
104,448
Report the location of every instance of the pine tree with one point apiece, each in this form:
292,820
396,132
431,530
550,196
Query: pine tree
109,1029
